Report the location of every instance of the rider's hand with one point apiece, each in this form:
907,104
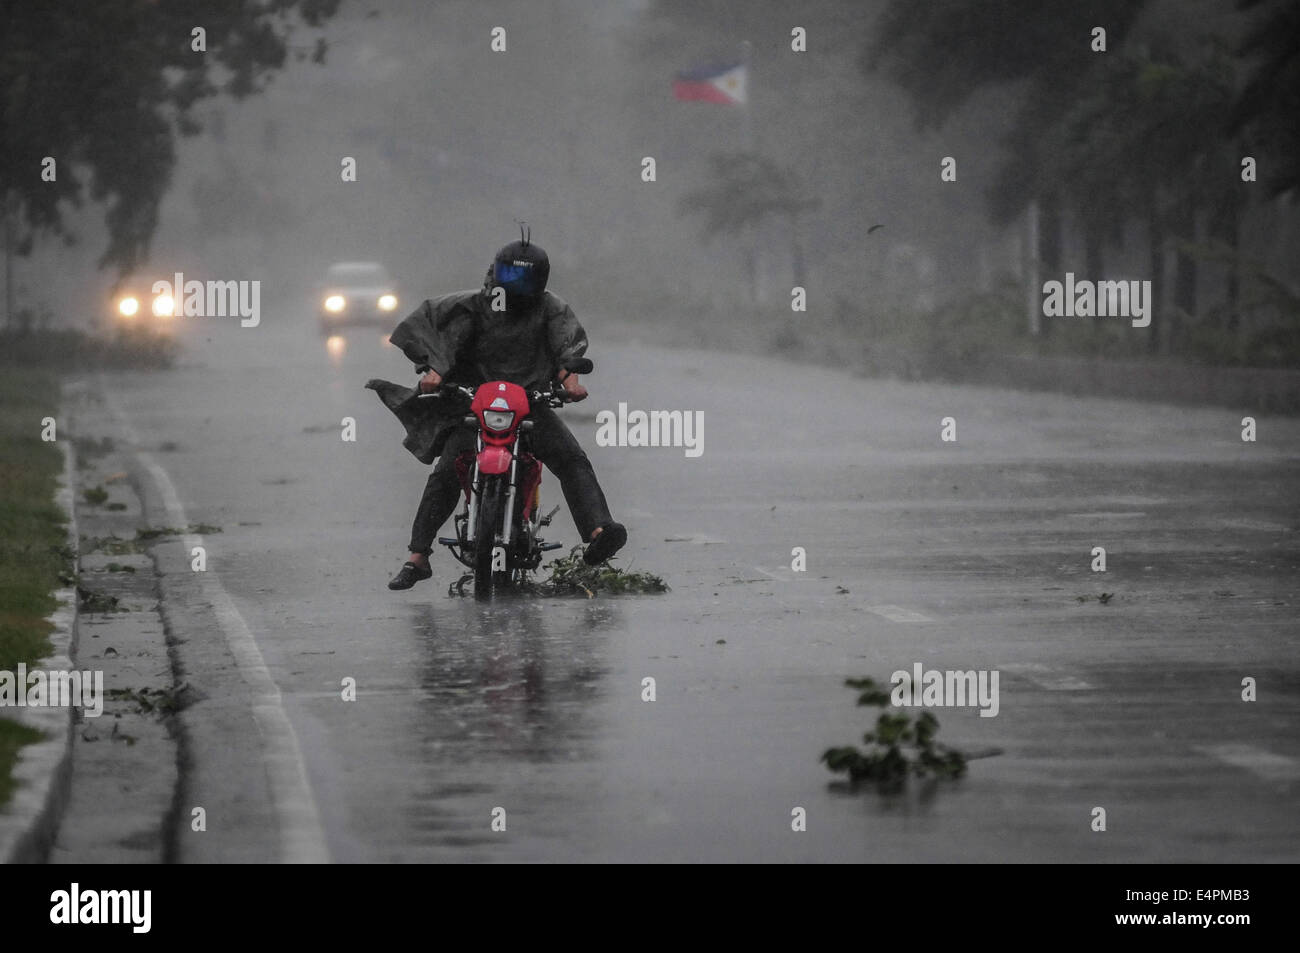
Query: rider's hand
571,387
430,381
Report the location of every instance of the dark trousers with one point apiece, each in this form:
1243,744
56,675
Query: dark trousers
551,442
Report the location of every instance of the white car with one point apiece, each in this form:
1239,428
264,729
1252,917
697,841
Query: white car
357,293
135,308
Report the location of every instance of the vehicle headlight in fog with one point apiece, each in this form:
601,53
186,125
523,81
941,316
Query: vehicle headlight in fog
334,303
387,302
164,306
128,306
498,420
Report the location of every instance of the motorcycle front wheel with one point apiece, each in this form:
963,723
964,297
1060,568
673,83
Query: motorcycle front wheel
491,501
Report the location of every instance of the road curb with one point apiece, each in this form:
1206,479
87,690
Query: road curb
43,770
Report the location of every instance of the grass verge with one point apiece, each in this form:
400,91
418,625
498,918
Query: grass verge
34,559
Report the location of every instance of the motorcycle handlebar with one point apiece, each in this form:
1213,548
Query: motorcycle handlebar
446,390
555,397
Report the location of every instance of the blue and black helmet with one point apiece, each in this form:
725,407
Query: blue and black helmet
521,268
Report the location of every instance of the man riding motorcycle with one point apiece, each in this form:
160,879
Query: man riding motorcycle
512,329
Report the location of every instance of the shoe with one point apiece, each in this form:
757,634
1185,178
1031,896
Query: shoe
410,574
608,541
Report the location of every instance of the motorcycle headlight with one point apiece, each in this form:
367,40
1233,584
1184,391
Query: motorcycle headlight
498,420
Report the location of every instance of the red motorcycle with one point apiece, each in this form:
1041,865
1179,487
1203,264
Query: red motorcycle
497,531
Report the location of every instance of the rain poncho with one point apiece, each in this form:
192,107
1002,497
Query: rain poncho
466,342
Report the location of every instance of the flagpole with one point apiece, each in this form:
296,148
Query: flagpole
747,112
757,290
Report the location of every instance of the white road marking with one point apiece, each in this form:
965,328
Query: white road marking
771,575
1264,764
1126,514
302,838
1046,677
1261,525
898,614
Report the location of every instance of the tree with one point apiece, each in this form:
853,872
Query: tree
1150,132
746,190
942,52
1266,111
1136,147
104,88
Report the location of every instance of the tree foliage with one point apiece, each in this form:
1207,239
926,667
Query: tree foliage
1267,111
943,51
1134,142
744,190
1118,121
104,88
1150,133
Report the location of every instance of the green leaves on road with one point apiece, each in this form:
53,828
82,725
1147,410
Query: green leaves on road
898,748
571,576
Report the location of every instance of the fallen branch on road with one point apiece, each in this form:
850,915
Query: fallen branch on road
899,747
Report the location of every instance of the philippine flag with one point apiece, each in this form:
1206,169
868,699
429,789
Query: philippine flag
713,84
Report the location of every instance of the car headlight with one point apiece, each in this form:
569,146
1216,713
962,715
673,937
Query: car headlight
128,306
334,303
498,420
164,306
387,302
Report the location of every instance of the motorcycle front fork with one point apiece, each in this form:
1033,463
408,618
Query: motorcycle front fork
502,533
531,544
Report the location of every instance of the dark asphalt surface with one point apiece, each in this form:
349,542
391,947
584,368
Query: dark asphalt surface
965,555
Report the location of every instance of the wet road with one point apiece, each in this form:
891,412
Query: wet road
966,555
